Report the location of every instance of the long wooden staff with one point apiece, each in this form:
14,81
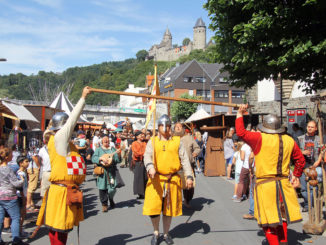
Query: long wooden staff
154,114
106,91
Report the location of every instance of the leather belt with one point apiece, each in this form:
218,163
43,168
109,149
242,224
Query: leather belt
166,189
63,183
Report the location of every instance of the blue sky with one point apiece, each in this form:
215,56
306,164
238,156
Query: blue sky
53,35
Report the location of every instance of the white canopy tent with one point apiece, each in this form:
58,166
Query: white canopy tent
198,115
62,102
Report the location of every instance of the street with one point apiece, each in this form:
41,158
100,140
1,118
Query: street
214,219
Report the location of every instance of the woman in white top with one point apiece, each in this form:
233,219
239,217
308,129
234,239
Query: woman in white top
238,166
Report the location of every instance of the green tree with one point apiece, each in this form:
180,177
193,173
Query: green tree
141,55
261,39
182,110
186,41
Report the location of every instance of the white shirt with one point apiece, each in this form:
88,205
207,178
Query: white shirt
44,155
96,140
238,162
246,148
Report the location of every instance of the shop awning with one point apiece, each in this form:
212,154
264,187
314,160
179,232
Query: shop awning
16,112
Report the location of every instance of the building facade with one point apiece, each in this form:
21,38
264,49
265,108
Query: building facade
203,80
165,51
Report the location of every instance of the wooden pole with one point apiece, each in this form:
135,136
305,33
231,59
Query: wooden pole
106,91
154,114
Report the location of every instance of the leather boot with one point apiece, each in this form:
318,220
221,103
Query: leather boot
112,204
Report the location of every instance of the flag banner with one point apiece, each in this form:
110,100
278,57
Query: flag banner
152,101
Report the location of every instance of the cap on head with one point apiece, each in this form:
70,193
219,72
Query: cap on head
271,125
58,120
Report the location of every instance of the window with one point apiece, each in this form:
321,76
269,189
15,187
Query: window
200,79
221,79
237,94
221,94
205,94
187,79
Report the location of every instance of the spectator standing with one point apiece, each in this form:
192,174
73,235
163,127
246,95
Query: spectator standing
8,196
23,163
140,176
201,156
246,156
228,152
46,164
309,146
96,140
33,172
238,166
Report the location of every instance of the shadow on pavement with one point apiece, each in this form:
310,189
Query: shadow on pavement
43,231
89,205
294,238
129,203
187,229
120,239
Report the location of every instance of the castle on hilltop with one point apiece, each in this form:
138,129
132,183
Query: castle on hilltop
165,52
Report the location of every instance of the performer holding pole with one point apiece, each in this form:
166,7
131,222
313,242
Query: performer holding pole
276,203
163,191
62,206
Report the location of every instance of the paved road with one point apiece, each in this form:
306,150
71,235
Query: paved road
214,219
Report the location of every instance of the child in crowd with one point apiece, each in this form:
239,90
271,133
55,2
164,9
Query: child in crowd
23,163
238,165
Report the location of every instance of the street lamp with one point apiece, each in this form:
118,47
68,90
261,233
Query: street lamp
3,59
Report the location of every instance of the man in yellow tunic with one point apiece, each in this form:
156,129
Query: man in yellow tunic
276,203
67,170
164,157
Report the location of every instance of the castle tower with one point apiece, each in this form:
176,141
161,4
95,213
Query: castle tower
167,39
199,35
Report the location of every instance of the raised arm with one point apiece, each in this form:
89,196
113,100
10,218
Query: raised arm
62,137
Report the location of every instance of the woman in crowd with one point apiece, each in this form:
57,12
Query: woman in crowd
201,155
238,166
107,158
140,176
8,195
228,151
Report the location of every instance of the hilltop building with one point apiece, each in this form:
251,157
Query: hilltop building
165,52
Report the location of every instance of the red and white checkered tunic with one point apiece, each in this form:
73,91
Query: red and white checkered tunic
76,165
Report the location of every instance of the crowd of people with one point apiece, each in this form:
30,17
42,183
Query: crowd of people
164,162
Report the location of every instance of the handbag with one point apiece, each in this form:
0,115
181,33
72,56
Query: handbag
74,195
98,170
119,181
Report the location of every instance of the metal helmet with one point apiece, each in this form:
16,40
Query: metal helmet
165,121
271,125
58,120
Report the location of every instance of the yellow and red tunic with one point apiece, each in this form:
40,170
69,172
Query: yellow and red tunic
268,195
54,212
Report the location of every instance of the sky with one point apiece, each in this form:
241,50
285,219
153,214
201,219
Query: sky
53,35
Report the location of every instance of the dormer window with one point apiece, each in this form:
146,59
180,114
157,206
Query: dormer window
187,79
